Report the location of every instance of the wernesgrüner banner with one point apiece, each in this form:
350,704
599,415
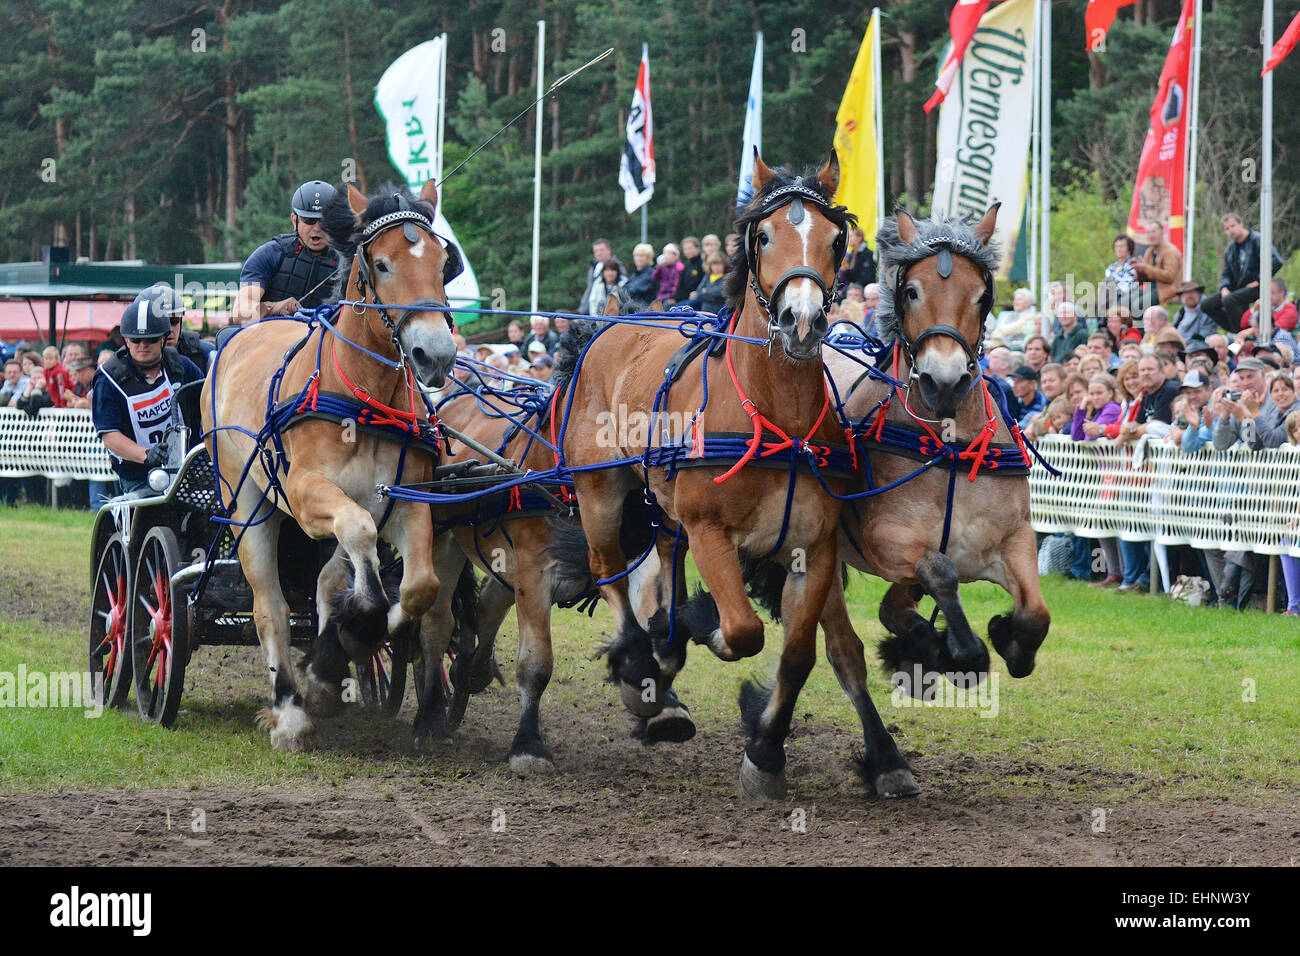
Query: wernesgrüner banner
983,151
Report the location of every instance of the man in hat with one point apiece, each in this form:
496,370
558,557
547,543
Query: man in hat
1160,267
1193,425
294,270
1190,320
1024,385
1239,419
82,370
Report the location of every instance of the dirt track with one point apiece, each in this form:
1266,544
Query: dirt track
615,801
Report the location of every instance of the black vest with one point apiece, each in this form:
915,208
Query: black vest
301,271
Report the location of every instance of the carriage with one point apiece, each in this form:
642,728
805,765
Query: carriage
165,579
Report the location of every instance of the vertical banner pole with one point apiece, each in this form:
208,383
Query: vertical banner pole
1045,149
1189,224
537,161
1266,190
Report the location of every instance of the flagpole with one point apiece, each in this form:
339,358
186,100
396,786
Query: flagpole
877,118
1035,144
442,109
643,220
1266,190
537,162
1045,148
1189,205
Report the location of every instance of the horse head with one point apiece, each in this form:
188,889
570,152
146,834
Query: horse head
938,288
794,237
400,268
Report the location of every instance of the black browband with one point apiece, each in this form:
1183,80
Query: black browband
409,219
779,198
943,245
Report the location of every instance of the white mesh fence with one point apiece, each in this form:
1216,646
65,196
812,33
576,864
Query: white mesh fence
58,443
1228,500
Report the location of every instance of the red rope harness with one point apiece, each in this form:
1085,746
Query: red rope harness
761,421
381,414
977,452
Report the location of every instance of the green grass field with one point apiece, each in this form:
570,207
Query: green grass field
1133,696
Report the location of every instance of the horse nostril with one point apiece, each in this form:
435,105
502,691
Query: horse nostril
420,357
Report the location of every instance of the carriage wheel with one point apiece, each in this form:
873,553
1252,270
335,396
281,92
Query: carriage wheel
382,680
110,655
159,628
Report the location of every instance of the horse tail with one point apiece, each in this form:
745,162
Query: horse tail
764,580
464,607
361,612
572,579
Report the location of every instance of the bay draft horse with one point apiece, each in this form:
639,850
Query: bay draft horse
508,537
328,472
779,285
938,287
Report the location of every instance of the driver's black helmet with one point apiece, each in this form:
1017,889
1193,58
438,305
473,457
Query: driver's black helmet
310,198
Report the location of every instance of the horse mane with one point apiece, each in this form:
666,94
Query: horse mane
344,229
737,279
896,254
576,337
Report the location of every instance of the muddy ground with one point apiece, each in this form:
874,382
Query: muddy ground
616,801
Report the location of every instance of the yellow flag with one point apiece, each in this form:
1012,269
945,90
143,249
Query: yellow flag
856,138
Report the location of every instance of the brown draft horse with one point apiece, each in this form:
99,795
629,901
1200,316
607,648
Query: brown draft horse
937,290
328,473
509,539
779,286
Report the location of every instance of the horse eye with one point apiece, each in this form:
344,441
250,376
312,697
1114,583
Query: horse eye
381,266
911,294
762,239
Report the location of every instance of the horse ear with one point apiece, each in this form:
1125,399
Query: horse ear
906,227
356,200
984,231
762,175
656,306
611,305
829,177
429,192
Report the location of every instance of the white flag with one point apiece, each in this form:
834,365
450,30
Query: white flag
753,138
637,173
409,96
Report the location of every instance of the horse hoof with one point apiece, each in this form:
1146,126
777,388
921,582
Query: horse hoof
897,783
759,786
529,765
634,699
291,729
672,725
320,698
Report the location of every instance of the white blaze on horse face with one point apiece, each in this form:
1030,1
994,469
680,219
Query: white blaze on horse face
417,250
802,297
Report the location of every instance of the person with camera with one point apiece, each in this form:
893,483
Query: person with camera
1242,406
132,393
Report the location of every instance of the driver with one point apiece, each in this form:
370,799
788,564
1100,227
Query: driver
132,393
293,270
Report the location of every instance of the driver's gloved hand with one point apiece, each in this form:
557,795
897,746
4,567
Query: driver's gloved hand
157,456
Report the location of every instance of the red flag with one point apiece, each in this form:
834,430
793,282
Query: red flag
1284,46
1159,193
1098,18
962,23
